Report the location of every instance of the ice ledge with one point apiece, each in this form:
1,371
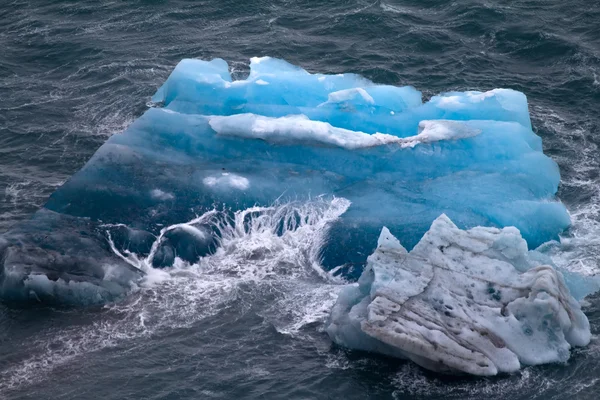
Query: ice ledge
299,129
461,301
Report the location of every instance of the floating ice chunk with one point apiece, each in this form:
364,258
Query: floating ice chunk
461,301
236,144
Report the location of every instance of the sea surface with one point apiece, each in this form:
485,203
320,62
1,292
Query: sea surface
75,72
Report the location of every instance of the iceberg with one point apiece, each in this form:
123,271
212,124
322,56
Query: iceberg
474,301
283,134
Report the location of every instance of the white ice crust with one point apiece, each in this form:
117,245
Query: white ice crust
294,129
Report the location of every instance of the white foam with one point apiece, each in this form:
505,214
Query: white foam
579,248
266,248
12,191
410,380
396,9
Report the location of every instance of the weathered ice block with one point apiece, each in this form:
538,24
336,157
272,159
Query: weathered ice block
472,301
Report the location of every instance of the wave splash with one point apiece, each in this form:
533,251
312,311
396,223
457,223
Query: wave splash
289,235
264,251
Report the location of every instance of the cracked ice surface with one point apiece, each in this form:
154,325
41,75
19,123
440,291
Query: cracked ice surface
473,301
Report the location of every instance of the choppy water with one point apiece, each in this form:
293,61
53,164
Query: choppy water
247,323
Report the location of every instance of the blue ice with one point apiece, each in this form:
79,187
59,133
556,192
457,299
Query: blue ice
285,134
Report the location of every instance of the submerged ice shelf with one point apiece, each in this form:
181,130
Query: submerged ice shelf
214,146
471,301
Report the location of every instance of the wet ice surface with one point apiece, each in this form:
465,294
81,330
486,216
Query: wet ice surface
219,145
471,301
86,71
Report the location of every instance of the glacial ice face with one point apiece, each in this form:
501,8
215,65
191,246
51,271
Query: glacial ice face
472,301
284,134
470,155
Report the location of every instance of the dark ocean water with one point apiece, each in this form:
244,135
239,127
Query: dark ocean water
72,73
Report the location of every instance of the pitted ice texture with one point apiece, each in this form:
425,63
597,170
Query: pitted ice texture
470,301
